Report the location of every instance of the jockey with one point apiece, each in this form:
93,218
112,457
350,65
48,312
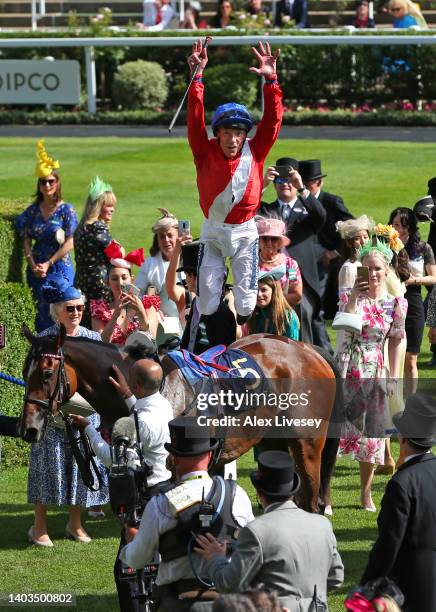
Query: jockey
229,180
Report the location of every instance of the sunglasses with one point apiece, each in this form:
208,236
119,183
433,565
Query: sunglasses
78,307
48,182
282,181
395,10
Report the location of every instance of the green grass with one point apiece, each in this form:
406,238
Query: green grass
86,570
373,178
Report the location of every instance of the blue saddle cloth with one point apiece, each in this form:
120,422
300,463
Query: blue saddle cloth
223,382
216,364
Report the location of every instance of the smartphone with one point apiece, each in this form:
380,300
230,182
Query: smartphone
130,289
2,335
151,290
283,171
363,274
184,227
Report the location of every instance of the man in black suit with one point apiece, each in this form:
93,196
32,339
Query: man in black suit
405,549
292,9
304,216
329,260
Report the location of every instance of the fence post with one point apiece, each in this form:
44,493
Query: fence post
91,83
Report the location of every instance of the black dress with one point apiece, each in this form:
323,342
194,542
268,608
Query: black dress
415,320
92,265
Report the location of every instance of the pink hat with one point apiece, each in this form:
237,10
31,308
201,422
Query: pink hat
272,227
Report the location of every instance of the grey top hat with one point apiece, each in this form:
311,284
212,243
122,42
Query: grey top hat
418,420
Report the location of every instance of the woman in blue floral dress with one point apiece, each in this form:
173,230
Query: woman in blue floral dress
361,360
53,475
47,227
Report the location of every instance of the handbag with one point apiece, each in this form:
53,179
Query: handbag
347,321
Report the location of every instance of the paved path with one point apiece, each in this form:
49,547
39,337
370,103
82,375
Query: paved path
399,134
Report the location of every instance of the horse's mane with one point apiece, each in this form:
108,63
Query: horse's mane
83,340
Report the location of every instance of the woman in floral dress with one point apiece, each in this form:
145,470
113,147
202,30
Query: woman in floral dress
361,360
90,240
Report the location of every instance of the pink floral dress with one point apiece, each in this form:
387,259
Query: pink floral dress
361,361
102,311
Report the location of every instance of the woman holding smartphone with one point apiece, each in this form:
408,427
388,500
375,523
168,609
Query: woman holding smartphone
272,254
124,312
361,361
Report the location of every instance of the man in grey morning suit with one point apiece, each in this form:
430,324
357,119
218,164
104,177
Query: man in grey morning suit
288,550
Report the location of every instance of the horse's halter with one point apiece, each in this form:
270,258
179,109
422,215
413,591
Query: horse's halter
61,391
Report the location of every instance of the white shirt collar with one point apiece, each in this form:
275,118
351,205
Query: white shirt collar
291,203
416,455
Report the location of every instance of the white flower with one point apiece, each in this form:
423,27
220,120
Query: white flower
242,16
286,18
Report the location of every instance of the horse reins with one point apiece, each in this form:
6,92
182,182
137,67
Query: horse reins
85,461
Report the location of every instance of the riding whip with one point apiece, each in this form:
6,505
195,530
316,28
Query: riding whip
194,74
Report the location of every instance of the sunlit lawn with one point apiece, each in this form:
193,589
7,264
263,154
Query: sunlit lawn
372,178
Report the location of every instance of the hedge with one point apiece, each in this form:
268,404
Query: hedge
11,250
16,307
339,75
300,117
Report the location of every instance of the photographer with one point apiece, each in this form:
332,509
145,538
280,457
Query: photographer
154,412
288,550
171,520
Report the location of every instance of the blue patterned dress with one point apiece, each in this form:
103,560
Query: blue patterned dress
53,475
31,224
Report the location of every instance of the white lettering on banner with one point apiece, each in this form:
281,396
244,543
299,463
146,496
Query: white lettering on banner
39,82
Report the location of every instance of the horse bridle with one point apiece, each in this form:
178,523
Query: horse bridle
61,391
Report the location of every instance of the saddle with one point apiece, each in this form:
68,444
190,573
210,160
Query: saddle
224,369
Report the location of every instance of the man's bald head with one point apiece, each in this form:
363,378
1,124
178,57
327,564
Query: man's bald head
146,376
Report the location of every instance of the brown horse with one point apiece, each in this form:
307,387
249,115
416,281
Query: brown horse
58,366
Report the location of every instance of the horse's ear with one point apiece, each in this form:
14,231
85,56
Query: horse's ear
61,336
28,334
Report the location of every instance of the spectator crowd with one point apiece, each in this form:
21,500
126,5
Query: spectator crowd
297,256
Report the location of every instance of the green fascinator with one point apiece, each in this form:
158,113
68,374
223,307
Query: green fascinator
97,188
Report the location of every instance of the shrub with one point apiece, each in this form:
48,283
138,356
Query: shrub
16,308
140,84
11,250
230,83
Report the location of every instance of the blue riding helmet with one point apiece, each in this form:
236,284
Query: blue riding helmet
231,115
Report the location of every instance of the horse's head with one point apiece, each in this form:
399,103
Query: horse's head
49,383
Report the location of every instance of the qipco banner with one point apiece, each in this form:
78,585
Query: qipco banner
39,82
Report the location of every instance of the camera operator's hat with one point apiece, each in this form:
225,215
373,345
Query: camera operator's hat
432,187
186,440
276,475
190,253
310,170
424,209
288,162
418,420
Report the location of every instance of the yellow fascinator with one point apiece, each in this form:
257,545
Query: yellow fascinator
45,164
390,235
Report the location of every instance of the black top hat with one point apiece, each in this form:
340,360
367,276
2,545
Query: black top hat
432,187
276,475
189,257
310,170
424,209
418,420
288,162
186,440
